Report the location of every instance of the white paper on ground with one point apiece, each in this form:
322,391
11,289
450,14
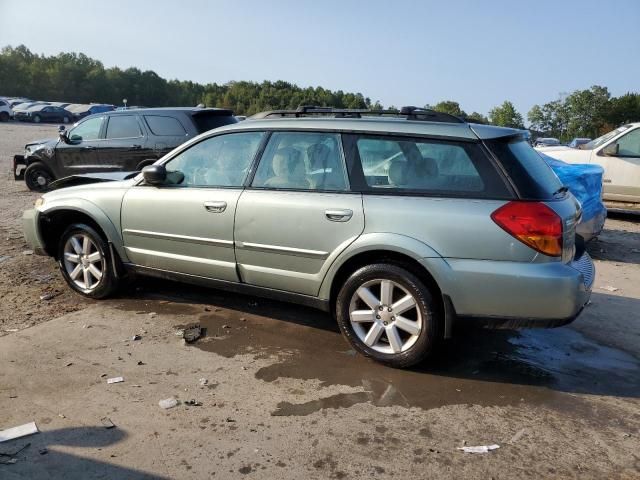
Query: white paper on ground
115,380
17,432
479,448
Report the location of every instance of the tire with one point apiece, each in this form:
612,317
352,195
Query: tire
4,117
145,163
82,259
399,338
65,119
36,119
38,177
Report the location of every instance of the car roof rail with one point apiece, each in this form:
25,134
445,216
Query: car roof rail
410,113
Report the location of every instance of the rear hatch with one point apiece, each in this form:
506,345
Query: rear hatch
536,183
210,118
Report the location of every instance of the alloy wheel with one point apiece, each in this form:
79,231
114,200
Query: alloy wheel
83,261
385,316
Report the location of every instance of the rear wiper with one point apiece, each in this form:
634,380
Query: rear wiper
562,189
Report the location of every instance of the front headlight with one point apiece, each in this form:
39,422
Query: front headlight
39,202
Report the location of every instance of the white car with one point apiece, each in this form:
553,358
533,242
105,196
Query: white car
618,152
5,111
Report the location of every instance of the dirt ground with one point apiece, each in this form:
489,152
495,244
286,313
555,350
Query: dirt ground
284,394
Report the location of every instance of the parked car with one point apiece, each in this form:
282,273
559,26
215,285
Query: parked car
85,110
114,141
618,153
13,102
6,113
22,107
277,206
585,183
577,142
44,113
546,142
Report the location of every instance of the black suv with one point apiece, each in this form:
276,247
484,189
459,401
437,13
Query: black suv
115,141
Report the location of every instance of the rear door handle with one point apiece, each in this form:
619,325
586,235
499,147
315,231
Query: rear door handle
215,207
339,215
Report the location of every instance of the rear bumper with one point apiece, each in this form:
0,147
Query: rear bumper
515,295
30,229
19,166
592,227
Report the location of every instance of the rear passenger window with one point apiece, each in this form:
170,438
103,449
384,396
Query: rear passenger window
164,126
302,161
429,166
123,126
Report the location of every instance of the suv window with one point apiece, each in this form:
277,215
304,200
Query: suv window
533,178
87,130
164,126
206,121
123,126
221,161
302,161
629,144
428,166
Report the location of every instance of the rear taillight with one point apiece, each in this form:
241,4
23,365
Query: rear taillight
534,224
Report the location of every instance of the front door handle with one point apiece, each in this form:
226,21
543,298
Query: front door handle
215,207
339,215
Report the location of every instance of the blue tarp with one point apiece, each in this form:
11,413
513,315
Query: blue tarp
584,181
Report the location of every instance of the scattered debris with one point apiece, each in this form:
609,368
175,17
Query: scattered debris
479,448
518,435
43,451
49,296
17,432
69,364
136,337
242,319
115,380
226,326
11,330
136,386
609,288
61,415
103,375
193,403
107,423
207,309
168,403
153,314
230,420
192,333
140,362
203,382
27,252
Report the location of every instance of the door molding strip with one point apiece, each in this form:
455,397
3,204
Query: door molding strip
179,238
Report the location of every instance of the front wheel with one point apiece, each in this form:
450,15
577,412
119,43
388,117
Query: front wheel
85,262
37,119
388,314
38,177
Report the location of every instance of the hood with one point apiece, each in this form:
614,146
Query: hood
87,178
566,154
46,142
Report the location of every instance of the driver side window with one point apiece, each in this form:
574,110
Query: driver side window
87,130
629,144
221,161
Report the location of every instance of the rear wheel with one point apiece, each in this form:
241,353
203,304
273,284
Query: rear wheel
85,262
65,119
4,117
36,119
38,177
388,314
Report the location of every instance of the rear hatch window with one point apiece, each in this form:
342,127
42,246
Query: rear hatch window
533,178
208,120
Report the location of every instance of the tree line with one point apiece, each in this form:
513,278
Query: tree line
77,78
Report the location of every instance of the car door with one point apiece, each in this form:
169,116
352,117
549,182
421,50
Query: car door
621,162
186,225
78,153
298,214
124,144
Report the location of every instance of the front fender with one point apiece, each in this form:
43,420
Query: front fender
96,213
393,242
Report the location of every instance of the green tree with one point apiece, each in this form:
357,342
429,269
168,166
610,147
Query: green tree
448,106
506,115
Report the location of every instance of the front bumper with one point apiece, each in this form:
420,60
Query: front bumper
30,220
19,166
517,295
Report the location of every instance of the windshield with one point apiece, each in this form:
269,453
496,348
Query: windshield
605,138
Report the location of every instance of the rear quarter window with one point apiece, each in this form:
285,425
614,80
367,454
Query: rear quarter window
208,121
532,177
425,166
164,126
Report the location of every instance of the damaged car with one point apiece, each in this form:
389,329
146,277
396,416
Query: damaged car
114,141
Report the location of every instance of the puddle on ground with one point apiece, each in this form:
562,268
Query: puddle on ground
480,367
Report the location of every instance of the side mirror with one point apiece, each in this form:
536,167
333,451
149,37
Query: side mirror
611,150
154,174
64,135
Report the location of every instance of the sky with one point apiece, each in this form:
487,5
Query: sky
400,52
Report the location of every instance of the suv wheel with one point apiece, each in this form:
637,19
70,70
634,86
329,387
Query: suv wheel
85,262
38,177
388,314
